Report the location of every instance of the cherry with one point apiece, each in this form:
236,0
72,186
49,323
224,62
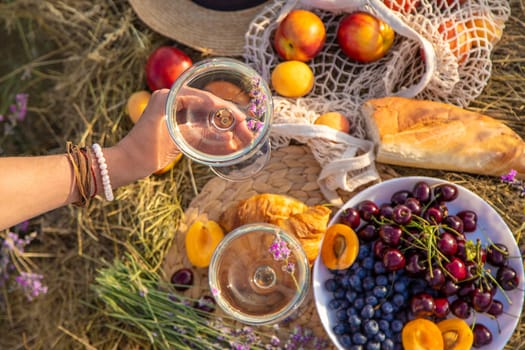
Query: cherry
422,304
367,233
367,209
393,259
453,223
400,197
466,290
446,192
435,278
442,307
350,217
205,303
456,267
182,279
481,300
447,244
414,205
497,255
496,308
460,308
422,192
482,335
433,215
470,220
415,265
386,211
449,288
401,214
507,278
379,248
390,234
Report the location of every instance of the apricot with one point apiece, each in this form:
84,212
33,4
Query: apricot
136,104
456,334
292,79
335,120
485,28
169,166
340,247
201,240
458,38
421,334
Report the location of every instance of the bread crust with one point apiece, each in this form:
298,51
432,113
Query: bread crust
435,135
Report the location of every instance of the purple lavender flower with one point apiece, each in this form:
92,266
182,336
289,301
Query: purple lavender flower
279,249
510,177
258,99
21,104
31,284
515,184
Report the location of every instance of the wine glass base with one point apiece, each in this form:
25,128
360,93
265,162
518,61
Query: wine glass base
248,168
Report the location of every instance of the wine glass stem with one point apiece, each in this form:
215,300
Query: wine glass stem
264,277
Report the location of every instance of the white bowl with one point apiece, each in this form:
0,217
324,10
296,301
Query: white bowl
490,226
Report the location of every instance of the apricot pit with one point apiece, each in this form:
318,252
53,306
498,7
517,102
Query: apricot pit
340,247
456,334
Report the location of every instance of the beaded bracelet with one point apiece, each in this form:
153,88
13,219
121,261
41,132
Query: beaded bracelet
104,174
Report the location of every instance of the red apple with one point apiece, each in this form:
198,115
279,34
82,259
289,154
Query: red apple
300,36
458,38
363,37
164,66
402,5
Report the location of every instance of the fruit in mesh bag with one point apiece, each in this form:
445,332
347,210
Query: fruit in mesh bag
484,30
334,120
363,37
402,5
299,36
292,79
457,35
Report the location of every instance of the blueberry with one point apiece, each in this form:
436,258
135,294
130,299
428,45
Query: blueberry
382,280
397,325
340,315
359,339
380,291
368,283
364,251
368,263
340,329
398,300
350,295
331,285
373,345
355,283
387,307
354,320
400,286
340,293
380,336
384,325
357,347
346,340
370,328
367,312
345,281
359,303
379,268
351,311
388,344
372,300
335,304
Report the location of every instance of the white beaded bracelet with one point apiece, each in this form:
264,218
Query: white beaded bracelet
104,174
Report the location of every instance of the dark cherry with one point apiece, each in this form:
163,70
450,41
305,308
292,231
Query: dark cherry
456,267
390,234
414,205
470,220
400,197
401,214
507,278
449,288
379,248
422,192
205,303
466,289
447,244
433,215
496,308
453,223
367,233
386,211
435,278
446,192
350,217
442,307
482,335
367,209
481,300
422,304
182,279
393,259
415,264
497,255
460,308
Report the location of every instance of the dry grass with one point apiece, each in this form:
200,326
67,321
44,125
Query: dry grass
85,58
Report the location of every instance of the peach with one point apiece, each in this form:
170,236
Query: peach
299,36
334,120
363,37
458,38
292,79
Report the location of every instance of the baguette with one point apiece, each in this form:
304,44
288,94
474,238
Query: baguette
435,135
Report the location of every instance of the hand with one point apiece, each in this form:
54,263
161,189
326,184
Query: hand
197,129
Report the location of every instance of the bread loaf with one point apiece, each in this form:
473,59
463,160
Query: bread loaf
435,135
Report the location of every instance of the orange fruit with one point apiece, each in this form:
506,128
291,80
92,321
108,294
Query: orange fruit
340,247
169,166
292,78
136,104
421,334
201,240
334,120
485,28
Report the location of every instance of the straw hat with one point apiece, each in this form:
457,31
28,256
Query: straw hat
216,27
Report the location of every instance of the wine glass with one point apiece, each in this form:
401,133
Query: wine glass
219,113
259,274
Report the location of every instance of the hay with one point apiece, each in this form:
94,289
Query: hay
84,60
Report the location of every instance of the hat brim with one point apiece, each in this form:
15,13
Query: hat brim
209,31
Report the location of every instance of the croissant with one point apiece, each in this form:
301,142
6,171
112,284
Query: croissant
307,223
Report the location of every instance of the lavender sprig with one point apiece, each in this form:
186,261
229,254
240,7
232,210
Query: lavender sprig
515,184
280,252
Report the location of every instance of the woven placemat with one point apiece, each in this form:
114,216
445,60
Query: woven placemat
292,171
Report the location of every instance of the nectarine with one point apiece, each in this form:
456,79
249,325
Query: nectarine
334,120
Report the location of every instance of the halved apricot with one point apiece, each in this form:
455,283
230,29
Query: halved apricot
421,334
340,247
201,240
456,334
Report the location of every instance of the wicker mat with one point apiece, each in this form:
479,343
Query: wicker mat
293,171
